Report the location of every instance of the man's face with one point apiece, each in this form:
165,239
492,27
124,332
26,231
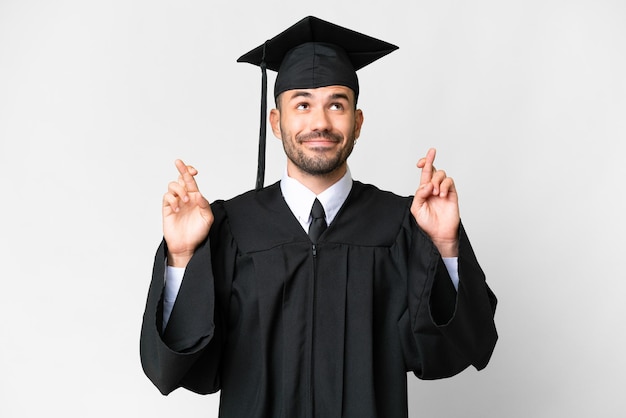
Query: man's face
318,128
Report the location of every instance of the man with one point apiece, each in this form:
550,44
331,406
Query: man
326,323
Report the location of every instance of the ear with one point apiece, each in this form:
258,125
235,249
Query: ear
358,122
275,122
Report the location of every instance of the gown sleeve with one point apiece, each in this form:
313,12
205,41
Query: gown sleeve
451,329
188,352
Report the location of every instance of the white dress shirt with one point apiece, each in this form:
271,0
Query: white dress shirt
300,200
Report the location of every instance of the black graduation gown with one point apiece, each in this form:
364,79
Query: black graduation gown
286,329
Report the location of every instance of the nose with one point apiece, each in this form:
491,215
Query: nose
320,120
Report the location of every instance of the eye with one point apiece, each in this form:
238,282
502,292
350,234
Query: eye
302,106
336,106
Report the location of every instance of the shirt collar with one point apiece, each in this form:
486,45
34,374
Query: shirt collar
300,199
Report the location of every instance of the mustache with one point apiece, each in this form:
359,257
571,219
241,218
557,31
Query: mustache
318,135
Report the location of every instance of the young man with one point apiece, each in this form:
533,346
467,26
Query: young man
313,297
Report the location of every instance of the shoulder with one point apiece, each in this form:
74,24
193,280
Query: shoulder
245,201
363,193
258,219
370,217
265,199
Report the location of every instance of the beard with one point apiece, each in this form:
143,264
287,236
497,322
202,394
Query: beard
318,163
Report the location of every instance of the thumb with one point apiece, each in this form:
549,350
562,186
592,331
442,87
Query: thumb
422,194
201,201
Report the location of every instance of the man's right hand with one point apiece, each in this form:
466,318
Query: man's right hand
187,216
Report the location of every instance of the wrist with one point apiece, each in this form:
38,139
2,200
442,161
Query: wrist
178,259
447,248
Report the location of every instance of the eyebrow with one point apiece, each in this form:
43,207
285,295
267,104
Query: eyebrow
308,95
338,96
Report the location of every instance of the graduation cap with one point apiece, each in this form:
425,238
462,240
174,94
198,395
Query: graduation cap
310,54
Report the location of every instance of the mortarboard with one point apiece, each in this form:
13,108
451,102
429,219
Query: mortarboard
310,54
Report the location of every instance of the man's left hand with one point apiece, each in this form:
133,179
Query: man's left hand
436,206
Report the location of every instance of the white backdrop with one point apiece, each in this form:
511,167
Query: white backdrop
525,101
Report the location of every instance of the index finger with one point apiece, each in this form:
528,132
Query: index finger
428,169
187,178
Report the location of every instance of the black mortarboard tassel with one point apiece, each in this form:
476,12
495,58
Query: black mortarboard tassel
310,54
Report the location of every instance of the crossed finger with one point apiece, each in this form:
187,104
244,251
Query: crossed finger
186,177
426,164
179,190
441,183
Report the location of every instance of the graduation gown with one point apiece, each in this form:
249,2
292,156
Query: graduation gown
284,328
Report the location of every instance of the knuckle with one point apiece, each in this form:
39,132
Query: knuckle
168,199
172,187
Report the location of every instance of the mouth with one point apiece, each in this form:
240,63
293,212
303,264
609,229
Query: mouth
317,139
319,143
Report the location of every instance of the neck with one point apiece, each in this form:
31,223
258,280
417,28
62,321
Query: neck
317,183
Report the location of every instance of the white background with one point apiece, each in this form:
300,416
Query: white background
525,101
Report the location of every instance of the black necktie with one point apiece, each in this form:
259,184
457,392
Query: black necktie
318,223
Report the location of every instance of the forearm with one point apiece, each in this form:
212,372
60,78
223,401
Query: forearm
471,327
173,281
171,356
452,321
